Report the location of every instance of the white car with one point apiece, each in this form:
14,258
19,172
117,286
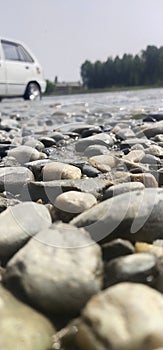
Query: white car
20,73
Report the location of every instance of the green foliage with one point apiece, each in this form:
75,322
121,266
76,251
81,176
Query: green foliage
50,87
144,69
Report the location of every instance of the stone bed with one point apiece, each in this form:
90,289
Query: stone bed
81,235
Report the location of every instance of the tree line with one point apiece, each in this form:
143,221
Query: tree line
145,68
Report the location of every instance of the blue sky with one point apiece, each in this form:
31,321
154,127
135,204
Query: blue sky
64,33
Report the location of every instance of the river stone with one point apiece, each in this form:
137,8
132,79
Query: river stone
151,248
118,126
155,150
24,154
138,268
158,138
58,171
134,141
154,117
21,326
47,141
4,137
129,165
118,176
98,139
104,162
135,155
83,128
125,316
95,150
36,167
58,136
91,131
18,224
6,202
48,191
153,161
115,190
147,179
58,270
13,178
137,146
117,247
158,242
160,177
5,148
9,162
90,171
153,130
159,285
124,133
135,216
71,203
34,143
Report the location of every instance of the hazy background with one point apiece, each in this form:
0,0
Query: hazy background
64,33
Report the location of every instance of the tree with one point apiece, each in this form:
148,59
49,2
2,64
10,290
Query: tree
160,65
98,75
127,73
118,71
55,80
87,74
145,68
109,72
150,57
50,87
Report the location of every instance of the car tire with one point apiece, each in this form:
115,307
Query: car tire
32,92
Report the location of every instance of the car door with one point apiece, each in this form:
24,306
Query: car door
18,70
2,73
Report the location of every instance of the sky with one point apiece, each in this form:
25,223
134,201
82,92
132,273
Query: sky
64,33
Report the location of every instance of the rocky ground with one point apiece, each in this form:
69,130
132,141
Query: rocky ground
81,233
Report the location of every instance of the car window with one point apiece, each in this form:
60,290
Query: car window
15,52
10,51
24,55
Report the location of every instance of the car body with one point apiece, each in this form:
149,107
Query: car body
20,72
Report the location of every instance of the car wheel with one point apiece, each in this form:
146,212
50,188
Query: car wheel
32,92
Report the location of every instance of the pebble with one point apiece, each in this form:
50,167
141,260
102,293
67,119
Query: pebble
57,171
117,247
125,316
117,189
153,130
135,155
146,247
12,179
95,150
135,216
146,178
137,268
49,190
24,154
99,139
104,163
32,142
63,267
7,202
81,217
23,220
71,203
22,326
155,150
